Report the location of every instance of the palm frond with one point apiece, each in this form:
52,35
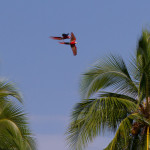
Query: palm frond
121,139
115,95
13,119
8,89
93,116
11,140
111,73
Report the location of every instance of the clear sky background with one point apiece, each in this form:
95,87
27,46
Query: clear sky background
46,72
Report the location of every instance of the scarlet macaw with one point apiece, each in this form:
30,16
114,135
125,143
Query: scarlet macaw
72,44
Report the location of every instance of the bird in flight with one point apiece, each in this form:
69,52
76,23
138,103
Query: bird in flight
72,44
64,36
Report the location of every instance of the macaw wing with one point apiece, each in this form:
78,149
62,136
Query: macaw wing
74,49
73,38
56,38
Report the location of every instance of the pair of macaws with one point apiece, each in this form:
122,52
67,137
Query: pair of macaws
71,43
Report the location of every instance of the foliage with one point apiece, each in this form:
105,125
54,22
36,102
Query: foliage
116,98
14,131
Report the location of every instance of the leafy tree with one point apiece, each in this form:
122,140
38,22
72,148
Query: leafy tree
115,98
14,130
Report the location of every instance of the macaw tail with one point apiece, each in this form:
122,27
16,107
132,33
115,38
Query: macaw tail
65,43
55,38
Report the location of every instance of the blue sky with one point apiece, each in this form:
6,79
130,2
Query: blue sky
47,73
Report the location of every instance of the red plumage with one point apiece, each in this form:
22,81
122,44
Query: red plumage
72,44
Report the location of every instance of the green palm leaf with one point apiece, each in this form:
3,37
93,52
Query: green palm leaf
92,115
7,89
14,131
111,73
123,138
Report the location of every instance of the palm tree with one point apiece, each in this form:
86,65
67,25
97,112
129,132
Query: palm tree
115,98
14,131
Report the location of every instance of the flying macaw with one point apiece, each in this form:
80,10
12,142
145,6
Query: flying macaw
64,36
72,44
